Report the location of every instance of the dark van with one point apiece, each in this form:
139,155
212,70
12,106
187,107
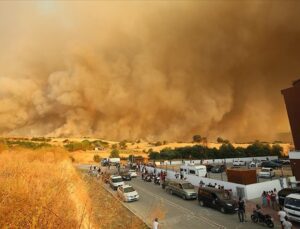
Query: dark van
217,198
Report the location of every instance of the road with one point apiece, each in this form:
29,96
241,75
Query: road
176,213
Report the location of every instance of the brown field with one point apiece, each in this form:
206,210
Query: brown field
42,189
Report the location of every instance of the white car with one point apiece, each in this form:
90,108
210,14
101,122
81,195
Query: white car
266,172
115,182
254,164
132,173
128,193
239,163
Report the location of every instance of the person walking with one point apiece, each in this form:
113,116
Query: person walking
287,224
241,210
273,200
264,199
282,215
268,199
155,224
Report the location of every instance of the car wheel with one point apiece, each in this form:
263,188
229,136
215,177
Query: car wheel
222,209
201,203
184,197
171,192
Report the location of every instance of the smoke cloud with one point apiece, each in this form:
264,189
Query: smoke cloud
152,70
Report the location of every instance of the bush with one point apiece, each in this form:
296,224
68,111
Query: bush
97,158
123,145
114,153
197,138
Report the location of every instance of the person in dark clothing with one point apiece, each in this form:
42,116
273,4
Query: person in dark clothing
241,210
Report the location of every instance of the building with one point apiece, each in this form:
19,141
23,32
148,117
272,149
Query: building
292,102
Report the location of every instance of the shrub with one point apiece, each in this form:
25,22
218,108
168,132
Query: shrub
114,153
97,158
197,138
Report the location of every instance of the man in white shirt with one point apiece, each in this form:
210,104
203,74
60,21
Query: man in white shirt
156,224
287,224
282,215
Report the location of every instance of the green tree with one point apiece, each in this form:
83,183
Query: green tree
97,158
220,140
122,144
197,138
114,153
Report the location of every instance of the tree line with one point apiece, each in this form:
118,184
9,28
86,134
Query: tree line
226,150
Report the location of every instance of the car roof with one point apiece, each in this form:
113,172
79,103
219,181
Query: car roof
211,189
127,186
115,176
294,196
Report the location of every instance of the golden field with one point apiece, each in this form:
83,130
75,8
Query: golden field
42,189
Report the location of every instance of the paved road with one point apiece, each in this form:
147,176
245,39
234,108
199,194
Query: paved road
177,213
181,213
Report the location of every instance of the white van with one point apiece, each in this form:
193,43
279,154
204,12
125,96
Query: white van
266,172
198,170
292,207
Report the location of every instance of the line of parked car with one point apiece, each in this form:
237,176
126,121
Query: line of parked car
125,191
219,199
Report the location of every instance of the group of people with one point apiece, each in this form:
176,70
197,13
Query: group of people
95,171
270,199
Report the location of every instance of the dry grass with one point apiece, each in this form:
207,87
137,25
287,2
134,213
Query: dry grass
108,211
41,189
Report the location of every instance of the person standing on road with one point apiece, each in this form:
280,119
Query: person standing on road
273,200
241,210
155,224
287,224
282,215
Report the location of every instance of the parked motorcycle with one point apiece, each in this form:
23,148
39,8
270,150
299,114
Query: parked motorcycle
258,217
148,178
157,180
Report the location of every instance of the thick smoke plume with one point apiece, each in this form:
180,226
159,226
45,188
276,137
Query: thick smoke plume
153,70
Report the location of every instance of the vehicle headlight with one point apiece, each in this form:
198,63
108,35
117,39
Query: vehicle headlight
230,205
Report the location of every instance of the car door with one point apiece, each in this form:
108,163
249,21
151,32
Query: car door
208,198
177,189
180,190
214,200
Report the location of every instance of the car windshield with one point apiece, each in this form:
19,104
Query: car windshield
292,201
265,170
187,186
128,189
115,180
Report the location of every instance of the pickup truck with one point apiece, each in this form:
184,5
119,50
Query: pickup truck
266,172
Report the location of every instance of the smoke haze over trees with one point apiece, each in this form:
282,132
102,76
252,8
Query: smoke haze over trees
153,70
